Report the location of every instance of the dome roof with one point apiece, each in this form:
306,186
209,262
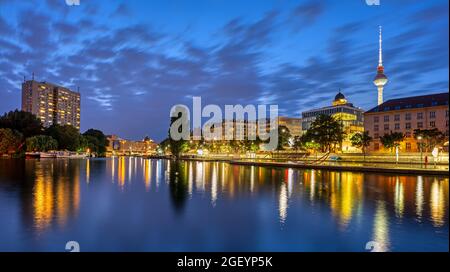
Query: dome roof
339,96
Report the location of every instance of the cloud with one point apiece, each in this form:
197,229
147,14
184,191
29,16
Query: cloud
305,15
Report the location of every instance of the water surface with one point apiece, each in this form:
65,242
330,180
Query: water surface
135,204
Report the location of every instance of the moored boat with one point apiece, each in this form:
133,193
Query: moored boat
75,155
50,154
32,154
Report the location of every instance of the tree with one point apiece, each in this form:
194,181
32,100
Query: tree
41,143
392,140
24,122
95,140
67,136
326,131
430,137
361,140
283,137
10,140
177,147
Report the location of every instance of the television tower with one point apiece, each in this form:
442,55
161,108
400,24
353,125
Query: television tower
380,79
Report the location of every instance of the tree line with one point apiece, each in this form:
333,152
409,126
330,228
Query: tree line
22,132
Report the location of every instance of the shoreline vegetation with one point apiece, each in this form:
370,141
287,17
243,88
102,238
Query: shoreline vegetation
22,132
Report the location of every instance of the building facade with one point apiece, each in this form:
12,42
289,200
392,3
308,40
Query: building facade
293,124
51,103
404,115
119,147
351,118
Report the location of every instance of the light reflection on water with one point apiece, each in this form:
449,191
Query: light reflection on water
167,205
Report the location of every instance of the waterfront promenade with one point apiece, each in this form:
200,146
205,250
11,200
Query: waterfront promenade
381,163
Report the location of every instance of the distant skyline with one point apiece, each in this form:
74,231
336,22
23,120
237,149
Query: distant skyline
134,59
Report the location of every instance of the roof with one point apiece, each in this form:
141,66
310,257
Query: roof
339,96
413,102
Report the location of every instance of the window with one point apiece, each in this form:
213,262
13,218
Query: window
386,118
446,113
397,117
386,127
419,125
432,114
376,135
408,125
408,134
420,115
376,119
376,146
446,123
408,116
432,124
375,128
397,126
408,146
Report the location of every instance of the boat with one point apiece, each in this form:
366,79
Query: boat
70,155
62,154
32,154
50,154
75,155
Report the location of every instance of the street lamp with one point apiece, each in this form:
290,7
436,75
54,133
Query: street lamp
419,138
314,148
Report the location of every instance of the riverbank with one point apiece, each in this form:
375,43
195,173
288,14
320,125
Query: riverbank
440,169
337,166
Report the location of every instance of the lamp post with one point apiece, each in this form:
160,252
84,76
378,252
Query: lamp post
419,138
314,148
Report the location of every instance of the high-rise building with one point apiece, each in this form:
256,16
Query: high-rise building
404,115
51,103
351,118
380,79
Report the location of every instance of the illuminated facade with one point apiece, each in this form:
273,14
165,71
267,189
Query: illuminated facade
351,118
52,104
119,146
404,115
293,124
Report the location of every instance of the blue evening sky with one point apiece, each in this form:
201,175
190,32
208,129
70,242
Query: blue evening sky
134,59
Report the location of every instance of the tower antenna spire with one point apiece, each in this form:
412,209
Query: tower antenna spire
380,56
